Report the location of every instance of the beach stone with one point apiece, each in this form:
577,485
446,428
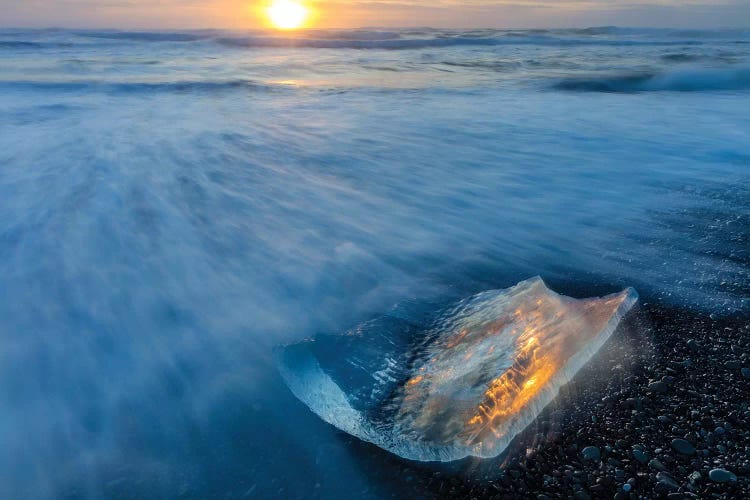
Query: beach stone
666,482
631,403
746,372
693,345
658,386
591,453
721,475
640,456
683,446
655,464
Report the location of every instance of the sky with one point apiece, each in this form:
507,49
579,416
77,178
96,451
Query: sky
241,14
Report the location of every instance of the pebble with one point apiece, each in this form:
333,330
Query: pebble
732,365
591,453
655,464
683,446
640,456
658,386
721,475
746,372
666,482
693,345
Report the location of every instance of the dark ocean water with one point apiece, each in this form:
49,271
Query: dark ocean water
174,205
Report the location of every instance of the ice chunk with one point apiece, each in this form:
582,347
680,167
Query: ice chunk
465,384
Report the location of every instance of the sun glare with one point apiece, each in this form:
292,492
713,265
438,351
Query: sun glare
287,14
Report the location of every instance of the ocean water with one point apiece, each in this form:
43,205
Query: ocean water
175,205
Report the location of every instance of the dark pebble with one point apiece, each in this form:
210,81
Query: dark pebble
659,387
733,365
640,456
721,475
683,446
666,482
591,453
655,464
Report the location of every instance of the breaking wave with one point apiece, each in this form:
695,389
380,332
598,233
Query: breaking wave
24,44
143,36
685,80
136,87
11,44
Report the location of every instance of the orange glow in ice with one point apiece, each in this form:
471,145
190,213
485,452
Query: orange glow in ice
544,336
535,364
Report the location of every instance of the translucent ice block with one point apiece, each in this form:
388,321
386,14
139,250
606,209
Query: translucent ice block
463,385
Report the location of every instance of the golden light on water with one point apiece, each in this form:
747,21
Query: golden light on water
287,14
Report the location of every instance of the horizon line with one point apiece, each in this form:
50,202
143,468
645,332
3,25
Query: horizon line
392,28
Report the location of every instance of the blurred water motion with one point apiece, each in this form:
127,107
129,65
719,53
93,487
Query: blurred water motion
174,205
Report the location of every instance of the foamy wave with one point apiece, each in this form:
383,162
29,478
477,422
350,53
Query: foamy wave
685,80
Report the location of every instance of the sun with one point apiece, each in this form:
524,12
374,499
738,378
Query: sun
287,14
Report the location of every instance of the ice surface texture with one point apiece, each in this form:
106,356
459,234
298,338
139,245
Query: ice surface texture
465,385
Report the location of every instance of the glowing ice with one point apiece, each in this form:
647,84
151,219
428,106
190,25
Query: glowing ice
464,386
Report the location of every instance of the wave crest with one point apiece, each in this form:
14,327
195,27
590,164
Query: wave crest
685,80
136,87
143,36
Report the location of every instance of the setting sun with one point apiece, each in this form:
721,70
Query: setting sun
287,14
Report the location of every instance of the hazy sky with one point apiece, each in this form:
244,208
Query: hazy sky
357,13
